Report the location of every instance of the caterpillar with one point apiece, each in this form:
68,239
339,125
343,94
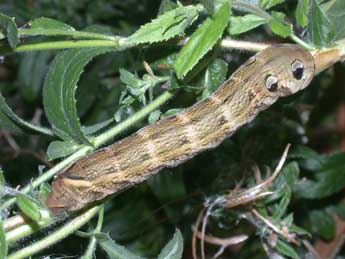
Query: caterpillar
277,71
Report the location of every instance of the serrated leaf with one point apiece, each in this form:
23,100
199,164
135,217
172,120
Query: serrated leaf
174,248
321,30
166,26
59,91
59,149
3,243
115,251
202,40
10,27
302,12
241,24
9,120
267,4
278,25
29,207
286,249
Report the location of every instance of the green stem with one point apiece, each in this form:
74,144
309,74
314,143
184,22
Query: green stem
301,42
65,44
27,229
53,238
75,34
93,241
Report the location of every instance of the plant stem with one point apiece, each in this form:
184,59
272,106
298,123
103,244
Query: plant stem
93,241
53,238
27,229
66,44
301,42
229,43
57,32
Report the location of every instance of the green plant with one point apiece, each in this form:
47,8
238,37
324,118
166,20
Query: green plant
184,47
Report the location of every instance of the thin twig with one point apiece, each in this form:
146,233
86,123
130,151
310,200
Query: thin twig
289,237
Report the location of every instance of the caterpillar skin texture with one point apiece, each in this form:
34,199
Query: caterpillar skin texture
275,72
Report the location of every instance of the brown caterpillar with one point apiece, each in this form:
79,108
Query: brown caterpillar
277,71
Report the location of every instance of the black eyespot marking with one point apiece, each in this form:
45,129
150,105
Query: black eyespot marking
271,83
297,69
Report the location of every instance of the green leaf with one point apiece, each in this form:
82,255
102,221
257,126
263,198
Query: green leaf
9,120
50,25
321,30
267,4
8,24
3,243
336,15
115,251
29,207
44,191
209,6
310,159
280,210
171,112
92,129
59,91
129,78
154,116
278,25
302,12
322,222
32,70
58,149
286,249
241,24
202,40
327,180
340,209
166,26
174,248
2,178
165,6
215,75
